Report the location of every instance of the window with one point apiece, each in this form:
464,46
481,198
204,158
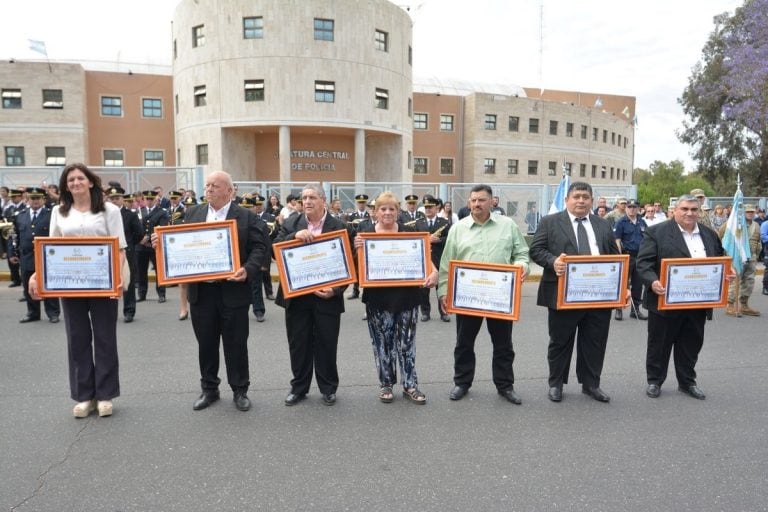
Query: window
624,174
553,127
512,166
533,125
55,155
254,90
611,172
594,171
446,122
594,134
514,123
420,121
625,143
605,136
420,165
410,55
603,172
175,50
153,158
584,132
446,166
53,98
410,107
410,160
382,99
323,30
201,154
151,107
552,168
253,27
568,167
490,121
113,158
582,170
200,96
14,155
325,92
198,36
382,41
489,165
176,103
11,98
569,129
613,138
111,106
533,167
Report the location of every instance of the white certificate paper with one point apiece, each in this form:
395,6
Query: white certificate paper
593,282
394,259
315,263
199,252
78,267
694,283
484,290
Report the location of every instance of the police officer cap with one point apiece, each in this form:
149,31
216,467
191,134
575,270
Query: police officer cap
411,198
16,192
361,198
633,202
175,194
149,194
258,199
128,198
115,191
246,202
697,192
35,192
190,201
430,201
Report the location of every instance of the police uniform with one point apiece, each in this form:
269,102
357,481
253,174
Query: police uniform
256,280
10,213
630,234
175,213
355,220
150,218
269,219
410,218
134,232
438,226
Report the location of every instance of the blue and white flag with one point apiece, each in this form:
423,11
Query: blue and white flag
736,238
558,203
38,46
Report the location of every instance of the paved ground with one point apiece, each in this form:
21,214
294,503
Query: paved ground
157,454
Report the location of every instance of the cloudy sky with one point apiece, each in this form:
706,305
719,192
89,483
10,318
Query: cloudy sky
637,48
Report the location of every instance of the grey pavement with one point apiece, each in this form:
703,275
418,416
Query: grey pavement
155,453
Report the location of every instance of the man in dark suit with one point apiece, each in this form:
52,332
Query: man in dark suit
176,208
681,237
575,230
152,215
269,220
410,214
14,208
219,309
312,321
134,232
30,223
361,214
438,228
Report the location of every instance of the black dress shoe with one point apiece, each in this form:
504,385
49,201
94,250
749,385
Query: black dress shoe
242,402
653,390
128,318
259,317
445,318
29,318
205,400
270,297
458,392
619,315
556,393
14,285
54,319
160,300
425,318
765,290
694,391
597,394
141,298
294,398
22,299
511,396
329,399
183,316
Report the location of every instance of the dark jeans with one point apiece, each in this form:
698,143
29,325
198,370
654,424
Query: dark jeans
467,328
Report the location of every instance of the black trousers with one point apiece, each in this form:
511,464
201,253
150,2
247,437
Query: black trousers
214,324
129,295
424,304
588,329
266,278
52,307
683,331
91,326
257,296
635,282
142,260
467,328
313,337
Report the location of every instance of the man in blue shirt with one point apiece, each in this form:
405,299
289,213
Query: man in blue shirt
628,232
764,241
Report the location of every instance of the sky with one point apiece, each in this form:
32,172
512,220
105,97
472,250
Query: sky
640,48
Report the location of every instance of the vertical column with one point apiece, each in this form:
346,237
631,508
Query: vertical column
359,157
284,148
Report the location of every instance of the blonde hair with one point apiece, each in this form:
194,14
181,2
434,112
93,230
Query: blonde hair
387,198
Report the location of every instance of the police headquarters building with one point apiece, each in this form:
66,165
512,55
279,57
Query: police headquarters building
309,90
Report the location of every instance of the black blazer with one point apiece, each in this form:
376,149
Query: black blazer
294,223
134,231
26,233
252,246
555,236
664,240
436,249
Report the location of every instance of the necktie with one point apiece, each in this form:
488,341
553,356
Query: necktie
582,238
430,224
34,216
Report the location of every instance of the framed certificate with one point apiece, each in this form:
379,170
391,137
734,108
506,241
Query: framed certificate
200,251
593,282
78,266
484,289
694,283
394,259
323,263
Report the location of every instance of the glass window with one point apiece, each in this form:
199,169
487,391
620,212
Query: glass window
254,90
512,166
55,155
552,168
151,107
176,103
490,121
611,172
201,154
533,167
382,99
514,123
489,165
113,158
111,106
568,166
603,172
200,96
253,27
410,107
420,165
594,171
605,136
382,41
410,55
11,98
624,174
323,29
198,36
420,121
175,50
582,170
410,160
533,125
154,158
553,127
53,98
325,92
14,155
446,122
569,129
584,132
613,138
594,134
446,166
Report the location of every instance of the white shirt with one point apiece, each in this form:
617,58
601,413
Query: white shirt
694,242
217,215
77,223
593,249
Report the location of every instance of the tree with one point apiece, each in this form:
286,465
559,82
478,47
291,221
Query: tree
665,180
726,101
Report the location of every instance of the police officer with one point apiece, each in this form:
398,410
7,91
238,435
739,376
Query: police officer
152,215
257,297
176,209
628,232
359,215
438,228
16,206
134,232
269,219
409,215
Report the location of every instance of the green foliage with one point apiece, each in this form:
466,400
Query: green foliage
664,180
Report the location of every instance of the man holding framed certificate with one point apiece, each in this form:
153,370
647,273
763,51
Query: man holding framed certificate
575,230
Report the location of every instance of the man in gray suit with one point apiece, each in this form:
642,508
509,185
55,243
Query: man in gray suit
573,231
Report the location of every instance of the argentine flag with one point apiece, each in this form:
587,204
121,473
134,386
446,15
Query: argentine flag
735,238
558,203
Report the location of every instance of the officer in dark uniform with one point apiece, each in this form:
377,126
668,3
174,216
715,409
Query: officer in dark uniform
176,208
16,206
438,228
257,297
134,232
269,219
359,215
30,223
152,216
628,232
409,215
